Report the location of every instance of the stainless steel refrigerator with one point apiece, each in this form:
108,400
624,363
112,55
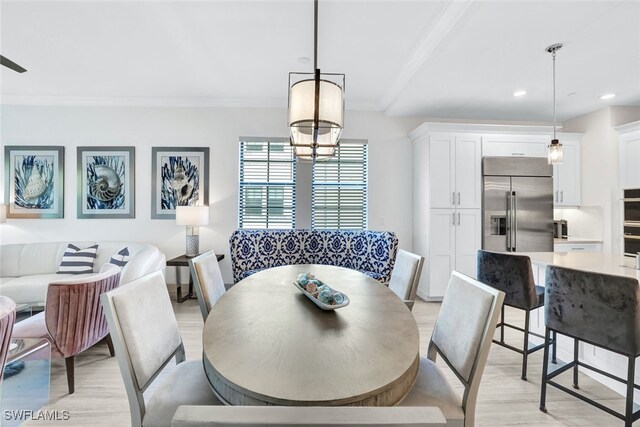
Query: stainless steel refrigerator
517,204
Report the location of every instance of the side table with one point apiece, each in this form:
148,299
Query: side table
183,261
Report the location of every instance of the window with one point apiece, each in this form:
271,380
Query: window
339,194
267,194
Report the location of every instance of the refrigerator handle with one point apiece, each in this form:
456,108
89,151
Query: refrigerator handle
514,217
508,233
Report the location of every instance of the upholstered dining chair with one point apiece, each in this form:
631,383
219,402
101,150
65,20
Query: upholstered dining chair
406,276
207,281
462,336
7,319
73,319
146,337
318,416
512,274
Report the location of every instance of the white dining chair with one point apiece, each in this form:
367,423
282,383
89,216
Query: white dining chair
207,281
316,416
146,337
406,276
462,336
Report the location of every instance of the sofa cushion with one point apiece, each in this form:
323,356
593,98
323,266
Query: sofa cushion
31,289
78,260
24,259
121,258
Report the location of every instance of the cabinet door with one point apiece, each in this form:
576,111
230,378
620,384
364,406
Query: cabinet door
441,173
514,146
441,250
467,171
630,169
468,225
566,176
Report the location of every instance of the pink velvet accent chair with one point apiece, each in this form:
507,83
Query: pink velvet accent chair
73,318
7,319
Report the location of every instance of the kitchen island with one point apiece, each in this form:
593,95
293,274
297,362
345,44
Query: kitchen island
586,261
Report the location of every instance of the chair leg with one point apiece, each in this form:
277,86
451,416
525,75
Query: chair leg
70,373
575,360
555,347
502,324
545,370
525,347
110,345
628,413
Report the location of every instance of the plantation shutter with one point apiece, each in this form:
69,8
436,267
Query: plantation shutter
267,193
339,190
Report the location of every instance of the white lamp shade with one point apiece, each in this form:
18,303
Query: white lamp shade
3,213
302,103
192,215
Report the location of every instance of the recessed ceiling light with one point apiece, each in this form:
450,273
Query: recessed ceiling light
608,96
303,60
520,93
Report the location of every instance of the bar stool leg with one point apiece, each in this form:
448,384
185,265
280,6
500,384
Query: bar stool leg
628,413
525,347
555,347
502,324
545,370
575,360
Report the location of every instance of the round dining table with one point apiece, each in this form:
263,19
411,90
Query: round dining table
266,343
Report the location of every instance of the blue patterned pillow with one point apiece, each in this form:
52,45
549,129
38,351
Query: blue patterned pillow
78,261
121,258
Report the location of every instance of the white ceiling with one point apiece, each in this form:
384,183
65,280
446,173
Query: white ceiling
449,59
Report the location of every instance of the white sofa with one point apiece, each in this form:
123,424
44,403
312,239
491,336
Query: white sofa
26,269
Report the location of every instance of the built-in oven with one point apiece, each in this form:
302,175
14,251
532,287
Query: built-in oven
631,221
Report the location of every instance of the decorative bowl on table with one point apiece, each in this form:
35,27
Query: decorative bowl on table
320,293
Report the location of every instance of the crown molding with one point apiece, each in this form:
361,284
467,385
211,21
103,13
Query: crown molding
483,128
431,41
628,127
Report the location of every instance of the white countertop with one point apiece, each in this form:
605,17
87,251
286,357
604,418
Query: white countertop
588,261
571,240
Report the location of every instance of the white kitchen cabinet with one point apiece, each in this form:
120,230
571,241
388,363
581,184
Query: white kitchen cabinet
454,165
577,247
455,240
629,140
514,145
566,176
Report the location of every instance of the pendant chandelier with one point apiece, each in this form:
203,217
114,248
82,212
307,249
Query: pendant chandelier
554,150
316,108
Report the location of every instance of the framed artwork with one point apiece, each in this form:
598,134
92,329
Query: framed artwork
180,177
106,182
34,181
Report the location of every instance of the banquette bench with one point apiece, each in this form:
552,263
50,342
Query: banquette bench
370,252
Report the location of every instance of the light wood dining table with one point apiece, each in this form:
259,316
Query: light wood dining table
265,343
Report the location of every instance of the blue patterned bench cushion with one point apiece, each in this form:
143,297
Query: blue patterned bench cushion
371,252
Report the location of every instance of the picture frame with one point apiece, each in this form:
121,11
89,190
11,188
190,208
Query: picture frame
106,182
34,181
179,177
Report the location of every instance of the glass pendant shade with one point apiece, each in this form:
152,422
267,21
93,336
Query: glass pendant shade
554,153
305,139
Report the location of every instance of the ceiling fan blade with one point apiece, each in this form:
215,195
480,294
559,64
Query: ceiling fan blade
10,64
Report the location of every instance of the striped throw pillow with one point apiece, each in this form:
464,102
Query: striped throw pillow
78,261
121,258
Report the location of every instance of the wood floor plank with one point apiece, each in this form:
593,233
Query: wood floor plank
504,399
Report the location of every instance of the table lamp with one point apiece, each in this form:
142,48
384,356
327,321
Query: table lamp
192,217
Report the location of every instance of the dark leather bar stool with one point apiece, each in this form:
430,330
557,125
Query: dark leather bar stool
601,310
512,274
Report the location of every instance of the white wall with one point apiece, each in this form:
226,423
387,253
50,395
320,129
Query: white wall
600,172
390,191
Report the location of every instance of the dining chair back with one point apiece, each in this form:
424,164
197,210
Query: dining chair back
346,416
73,319
406,276
146,337
462,336
7,319
207,281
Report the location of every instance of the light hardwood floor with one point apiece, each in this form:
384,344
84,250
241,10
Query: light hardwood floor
504,399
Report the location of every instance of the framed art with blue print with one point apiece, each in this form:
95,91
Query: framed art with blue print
106,182
34,181
179,177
